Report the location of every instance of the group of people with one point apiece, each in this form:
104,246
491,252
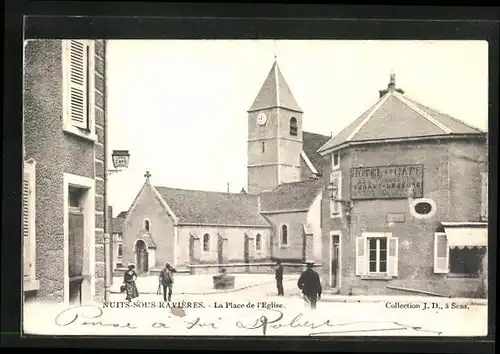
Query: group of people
309,283
165,280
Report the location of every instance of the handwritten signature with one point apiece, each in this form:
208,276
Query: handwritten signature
87,315
264,322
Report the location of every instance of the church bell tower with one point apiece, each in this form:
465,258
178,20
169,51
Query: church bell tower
274,135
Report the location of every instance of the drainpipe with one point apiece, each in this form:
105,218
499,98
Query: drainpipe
107,223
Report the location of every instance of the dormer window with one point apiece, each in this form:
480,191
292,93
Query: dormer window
293,126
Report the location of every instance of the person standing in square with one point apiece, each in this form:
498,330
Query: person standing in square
310,285
279,278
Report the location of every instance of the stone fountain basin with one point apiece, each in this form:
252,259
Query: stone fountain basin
223,282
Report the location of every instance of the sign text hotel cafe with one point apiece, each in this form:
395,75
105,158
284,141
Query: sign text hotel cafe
386,182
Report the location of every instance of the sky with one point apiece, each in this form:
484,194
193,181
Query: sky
180,106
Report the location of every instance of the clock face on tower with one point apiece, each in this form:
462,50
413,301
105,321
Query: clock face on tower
261,119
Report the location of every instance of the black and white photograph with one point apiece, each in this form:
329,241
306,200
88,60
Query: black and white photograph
255,187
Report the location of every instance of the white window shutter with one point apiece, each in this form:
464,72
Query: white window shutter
335,177
484,195
360,255
78,83
441,253
26,224
392,264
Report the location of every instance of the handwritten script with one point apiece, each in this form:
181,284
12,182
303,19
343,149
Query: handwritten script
265,321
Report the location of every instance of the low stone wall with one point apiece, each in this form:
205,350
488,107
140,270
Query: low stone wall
254,268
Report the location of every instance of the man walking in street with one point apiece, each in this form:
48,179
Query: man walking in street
166,280
310,285
279,278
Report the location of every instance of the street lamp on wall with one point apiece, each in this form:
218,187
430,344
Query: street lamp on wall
120,160
333,189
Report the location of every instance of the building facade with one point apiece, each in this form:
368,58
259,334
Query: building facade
409,212
270,222
63,177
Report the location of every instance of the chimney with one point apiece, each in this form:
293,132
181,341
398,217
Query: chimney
228,187
391,86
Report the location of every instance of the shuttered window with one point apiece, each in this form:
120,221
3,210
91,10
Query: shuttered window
377,254
336,207
78,83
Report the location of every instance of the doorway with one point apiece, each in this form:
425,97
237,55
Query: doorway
335,261
76,245
141,256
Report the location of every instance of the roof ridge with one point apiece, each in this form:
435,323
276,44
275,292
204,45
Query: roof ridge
424,114
374,108
445,114
297,182
432,120
348,125
322,135
204,191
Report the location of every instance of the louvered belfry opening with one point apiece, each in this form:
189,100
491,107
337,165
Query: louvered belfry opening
79,84
293,126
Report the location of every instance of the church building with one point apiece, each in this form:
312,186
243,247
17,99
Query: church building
278,216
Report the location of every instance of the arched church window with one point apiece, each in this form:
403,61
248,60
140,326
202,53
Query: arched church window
293,126
263,146
206,243
258,242
147,225
284,235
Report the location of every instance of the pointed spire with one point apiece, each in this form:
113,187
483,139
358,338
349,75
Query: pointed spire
275,92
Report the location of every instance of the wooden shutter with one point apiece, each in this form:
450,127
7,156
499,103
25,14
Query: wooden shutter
360,255
78,83
484,195
26,224
336,207
392,264
441,253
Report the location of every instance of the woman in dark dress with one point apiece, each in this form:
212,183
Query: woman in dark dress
129,280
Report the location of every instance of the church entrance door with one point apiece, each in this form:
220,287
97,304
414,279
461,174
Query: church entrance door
141,256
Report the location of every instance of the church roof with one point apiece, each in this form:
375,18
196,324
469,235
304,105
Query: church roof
396,116
213,208
118,222
290,196
275,92
311,143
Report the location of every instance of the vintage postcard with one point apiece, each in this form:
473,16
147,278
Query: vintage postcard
255,187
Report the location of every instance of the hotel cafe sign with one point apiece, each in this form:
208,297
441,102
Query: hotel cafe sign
386,182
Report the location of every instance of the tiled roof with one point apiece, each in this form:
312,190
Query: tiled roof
395,116
275,92
213,208
290,196
311,143
118,222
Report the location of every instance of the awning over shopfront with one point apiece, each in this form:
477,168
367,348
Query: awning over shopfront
466,234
